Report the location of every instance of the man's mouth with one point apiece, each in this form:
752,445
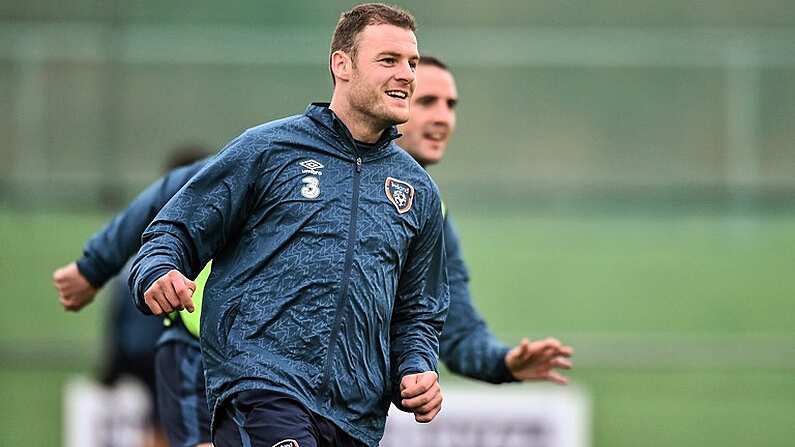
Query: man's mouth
397,94
437,136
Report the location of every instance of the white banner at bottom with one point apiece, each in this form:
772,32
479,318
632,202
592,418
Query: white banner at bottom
498,416
98,416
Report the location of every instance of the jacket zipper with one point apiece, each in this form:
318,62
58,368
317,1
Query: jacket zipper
346,277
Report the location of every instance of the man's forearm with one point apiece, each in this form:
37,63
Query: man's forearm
477,354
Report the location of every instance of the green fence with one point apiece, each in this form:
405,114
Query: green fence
680,104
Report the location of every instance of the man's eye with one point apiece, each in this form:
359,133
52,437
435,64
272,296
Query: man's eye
425,101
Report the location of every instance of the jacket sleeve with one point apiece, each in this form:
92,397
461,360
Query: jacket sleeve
110,248
421,303
467,346
197,220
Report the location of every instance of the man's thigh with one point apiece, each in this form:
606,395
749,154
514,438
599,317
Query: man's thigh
181,394
264,418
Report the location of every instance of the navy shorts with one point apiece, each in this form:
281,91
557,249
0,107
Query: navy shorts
267,418
181,394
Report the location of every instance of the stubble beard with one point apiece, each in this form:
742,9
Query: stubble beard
369,104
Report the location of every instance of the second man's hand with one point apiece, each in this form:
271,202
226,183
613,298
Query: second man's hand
539,360
172,291
422,395
74,290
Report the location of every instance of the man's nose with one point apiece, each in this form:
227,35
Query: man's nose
442,114
406,73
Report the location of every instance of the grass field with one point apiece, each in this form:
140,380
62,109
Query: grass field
684,326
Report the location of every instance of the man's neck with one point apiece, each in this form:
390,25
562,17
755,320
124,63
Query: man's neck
361,127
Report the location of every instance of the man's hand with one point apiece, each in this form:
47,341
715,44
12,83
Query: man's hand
74,290
538,360
172,291
422,395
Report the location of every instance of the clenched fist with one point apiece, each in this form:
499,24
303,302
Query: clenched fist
422,395
74,290
172,291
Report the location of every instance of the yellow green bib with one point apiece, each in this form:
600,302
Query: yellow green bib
191,320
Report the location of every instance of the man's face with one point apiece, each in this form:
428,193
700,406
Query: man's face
383,77
432,119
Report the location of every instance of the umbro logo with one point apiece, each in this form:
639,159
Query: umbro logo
311,167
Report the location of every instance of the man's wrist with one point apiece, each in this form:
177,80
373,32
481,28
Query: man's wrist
503,370
88,271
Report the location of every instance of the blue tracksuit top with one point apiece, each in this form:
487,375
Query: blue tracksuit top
328,279
466,345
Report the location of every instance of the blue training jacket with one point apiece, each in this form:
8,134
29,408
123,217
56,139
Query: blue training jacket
466,345
328,279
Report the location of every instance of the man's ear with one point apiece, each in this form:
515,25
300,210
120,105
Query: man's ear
341,65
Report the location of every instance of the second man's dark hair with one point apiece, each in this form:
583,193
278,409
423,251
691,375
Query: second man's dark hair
433,62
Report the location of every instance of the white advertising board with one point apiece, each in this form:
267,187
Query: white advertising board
498,416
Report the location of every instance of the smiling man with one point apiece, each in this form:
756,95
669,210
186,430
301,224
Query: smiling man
466,345
328,288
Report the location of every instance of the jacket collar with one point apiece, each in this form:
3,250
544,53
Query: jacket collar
328,120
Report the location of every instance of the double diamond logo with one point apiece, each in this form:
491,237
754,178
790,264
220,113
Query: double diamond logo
312,167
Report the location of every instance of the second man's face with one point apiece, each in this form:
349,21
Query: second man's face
383,78
432,119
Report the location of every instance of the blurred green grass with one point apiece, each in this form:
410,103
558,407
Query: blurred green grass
644,300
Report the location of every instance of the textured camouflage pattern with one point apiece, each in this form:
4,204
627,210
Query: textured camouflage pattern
331,295
466,345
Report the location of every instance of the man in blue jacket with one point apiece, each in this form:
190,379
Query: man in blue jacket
466,345
328,289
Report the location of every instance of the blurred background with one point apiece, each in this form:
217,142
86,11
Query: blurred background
623,177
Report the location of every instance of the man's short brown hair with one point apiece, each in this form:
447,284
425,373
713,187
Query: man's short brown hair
353,22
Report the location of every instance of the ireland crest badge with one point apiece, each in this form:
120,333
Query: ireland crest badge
400,193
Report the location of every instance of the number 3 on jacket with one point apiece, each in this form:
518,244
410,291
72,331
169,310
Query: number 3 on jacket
311,188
